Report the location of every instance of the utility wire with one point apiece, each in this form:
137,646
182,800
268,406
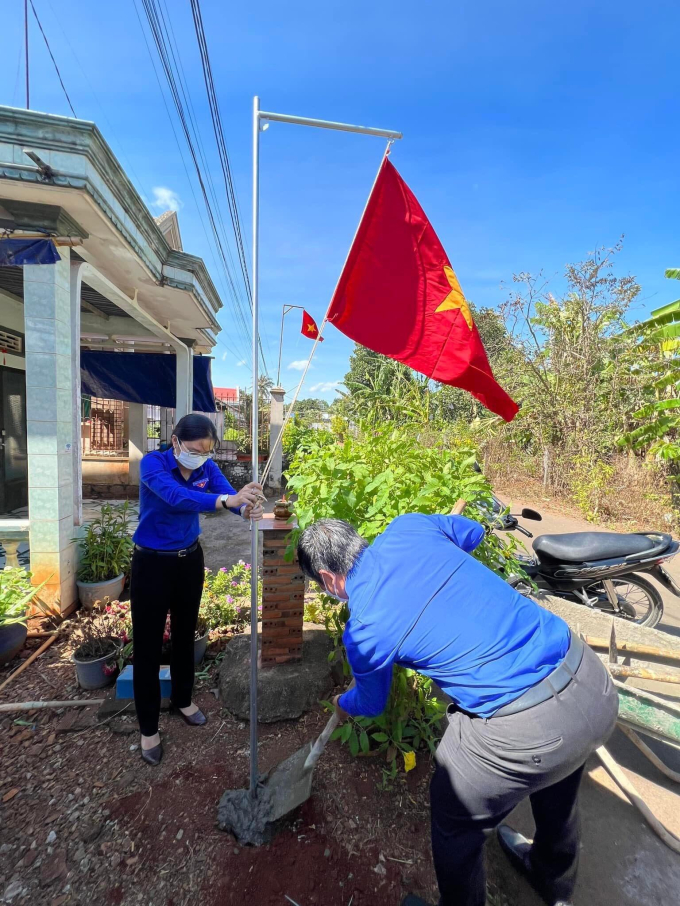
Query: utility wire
220,140
49,50
154,19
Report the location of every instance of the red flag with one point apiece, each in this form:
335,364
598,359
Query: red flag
309,328
398,295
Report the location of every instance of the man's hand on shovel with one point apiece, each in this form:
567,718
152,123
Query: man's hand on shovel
339,713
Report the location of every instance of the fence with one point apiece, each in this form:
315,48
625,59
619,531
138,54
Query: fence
236,437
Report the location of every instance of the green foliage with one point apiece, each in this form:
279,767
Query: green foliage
299,436
226,597
368,482
106,545
16,593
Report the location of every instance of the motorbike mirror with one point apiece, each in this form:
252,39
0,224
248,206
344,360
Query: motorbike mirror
528,513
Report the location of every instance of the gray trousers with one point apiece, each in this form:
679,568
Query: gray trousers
484,768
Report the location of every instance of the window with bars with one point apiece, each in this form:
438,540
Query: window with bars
102,425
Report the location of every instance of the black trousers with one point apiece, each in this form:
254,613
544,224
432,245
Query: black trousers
159,584
487,767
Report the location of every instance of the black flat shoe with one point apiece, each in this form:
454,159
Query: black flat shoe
517,848
152,756
197,719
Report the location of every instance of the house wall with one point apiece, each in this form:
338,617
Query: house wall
108,478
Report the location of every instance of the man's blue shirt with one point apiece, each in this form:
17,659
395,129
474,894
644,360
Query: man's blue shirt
169,504
417,598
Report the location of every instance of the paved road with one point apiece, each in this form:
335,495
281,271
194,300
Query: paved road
556,523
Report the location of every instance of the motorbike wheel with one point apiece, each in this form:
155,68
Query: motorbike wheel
639,600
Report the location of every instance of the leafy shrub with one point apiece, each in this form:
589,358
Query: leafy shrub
226,596
368,482
106,545
297,436
16,593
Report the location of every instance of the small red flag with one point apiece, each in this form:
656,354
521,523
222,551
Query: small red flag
398,295
309,328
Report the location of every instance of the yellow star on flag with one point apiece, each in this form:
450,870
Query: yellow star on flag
311,328
455,299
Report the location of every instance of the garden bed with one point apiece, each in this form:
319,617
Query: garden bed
122,833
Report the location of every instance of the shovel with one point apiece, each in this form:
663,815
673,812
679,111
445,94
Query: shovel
253,819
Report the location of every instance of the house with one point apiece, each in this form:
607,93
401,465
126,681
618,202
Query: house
121,319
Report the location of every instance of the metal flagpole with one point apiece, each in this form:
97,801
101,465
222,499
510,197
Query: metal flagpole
254,531
28,98
260,116
284,312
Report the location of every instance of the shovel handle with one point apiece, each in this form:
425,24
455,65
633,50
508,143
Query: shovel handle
321,742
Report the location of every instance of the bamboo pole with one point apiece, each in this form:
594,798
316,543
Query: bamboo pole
36,706
641,673
667,654
28,661
636,799
649,754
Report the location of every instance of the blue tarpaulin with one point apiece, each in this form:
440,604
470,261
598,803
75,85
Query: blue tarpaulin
143,377
17,252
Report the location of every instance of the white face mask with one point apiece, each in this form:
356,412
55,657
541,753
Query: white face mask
188,459
334,594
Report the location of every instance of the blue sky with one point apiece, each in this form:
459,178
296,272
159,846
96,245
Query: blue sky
533,132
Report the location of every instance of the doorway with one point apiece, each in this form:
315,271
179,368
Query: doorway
13,450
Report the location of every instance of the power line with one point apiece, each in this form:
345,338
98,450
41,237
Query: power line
49,50
153,16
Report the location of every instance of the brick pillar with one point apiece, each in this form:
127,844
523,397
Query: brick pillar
283,596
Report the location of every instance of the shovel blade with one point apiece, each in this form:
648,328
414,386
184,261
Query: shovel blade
289,784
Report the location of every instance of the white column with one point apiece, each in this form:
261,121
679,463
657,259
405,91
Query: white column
275,427
51,426
184,381
137,439
77,458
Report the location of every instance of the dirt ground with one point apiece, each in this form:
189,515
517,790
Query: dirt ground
84,821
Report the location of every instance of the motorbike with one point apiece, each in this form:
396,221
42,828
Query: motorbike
601,570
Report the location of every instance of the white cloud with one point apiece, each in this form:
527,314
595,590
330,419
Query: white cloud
325,386
165,199
241,363
224,356
299,365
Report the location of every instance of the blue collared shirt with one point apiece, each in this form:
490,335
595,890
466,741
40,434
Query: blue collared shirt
169,504
417,598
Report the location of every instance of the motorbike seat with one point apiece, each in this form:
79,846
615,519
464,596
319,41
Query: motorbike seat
577,547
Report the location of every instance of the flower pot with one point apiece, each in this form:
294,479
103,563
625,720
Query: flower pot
89,592
200,648
95,674
12,638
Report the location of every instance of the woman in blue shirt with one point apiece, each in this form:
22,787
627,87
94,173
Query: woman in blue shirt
167,566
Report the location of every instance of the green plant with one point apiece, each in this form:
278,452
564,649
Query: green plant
369,481
226,596
16,593
106,546
100,631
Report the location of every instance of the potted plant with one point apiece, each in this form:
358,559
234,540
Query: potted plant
105,552
16,593
96,657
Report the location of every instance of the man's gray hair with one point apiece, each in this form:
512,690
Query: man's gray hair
330,544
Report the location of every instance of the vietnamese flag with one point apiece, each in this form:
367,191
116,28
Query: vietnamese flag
309,328
398,295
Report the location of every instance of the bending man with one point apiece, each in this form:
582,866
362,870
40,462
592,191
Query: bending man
531,701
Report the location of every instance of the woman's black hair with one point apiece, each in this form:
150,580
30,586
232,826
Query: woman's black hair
195,427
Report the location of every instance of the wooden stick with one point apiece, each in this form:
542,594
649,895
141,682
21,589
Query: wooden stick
38,635
641,673
34,706
29,660
458,508
648,753
636,799
630,648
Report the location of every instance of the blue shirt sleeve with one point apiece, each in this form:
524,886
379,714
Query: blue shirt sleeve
218,483
465,533
369,695
157,478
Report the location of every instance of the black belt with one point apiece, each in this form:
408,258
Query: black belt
557,681
183,553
